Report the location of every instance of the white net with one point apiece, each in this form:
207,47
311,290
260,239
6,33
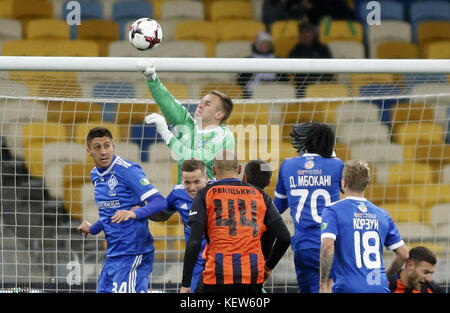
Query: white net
397,122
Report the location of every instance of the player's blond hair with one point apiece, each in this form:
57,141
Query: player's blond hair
357,174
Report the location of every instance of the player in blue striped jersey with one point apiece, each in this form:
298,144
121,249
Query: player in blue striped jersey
307,184
193,178
125,198
354,231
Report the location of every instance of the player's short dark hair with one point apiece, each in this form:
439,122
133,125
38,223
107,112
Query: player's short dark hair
258,173
421,253
227,104
193,165
313,138
98,132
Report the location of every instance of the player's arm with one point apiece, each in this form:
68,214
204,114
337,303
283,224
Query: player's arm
401,256
86,228
278,231
196,222
167,213
326,261
280,200
173,110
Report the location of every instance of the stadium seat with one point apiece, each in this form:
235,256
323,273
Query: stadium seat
88,10
229,10
234,49
430,31
128,151
25,48
55,156
285,29
131,113
429,195
437,50
404,212
421,11
238,29
404,112
347,50
416,231
343,151
432,95
123,48
89,209
35,136
72,112
389,10
435,155
76,48
112,89
233,90
415,132
159,152
376,90
125,11
101,31
355,111
340,30
161,175
144,136
10,29
26,10
182,49
326,90
284,46
410,173
197,30
397,50
49,29
386,153
440,214
249,114
180,9
359,80
381,194
387,31
82,130
75,176
363,133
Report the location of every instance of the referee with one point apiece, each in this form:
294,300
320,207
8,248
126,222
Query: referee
233,215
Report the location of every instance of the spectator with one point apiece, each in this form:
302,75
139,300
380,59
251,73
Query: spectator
309,47
275,10
262,48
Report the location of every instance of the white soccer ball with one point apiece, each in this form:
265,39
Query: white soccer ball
145,34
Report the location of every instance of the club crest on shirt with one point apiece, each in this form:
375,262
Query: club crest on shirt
112,182
309,164
362,207
201,144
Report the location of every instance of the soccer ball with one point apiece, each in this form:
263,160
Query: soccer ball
145,34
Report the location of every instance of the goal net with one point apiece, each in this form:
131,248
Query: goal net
393,115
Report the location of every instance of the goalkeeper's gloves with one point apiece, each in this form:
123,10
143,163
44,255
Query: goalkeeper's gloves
148,69
161,126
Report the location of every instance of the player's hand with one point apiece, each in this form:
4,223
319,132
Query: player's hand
161,126
185,290
123,215
326,287
148,69
267,272
84,228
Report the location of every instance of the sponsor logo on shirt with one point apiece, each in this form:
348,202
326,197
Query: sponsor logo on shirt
108,204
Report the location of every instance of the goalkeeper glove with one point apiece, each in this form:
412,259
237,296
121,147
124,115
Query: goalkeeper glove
161,126
148,69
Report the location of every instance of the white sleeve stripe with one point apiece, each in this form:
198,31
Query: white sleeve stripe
149,193
396,245
280,196
328,235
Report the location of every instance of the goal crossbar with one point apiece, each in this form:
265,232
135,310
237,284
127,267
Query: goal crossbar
225,65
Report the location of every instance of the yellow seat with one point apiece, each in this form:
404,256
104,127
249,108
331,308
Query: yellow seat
82,130
438,50
245,30
230,89
24,48
73,112
326,90
284,29
340,30
228,10
381,194
397,50
342,151
77,48
419,132
6,8
430,31
358,80
102,31
130,113
35,136
404,212
429,195
284,46
50,29
203,31
27,10
75,175
249,113
410,173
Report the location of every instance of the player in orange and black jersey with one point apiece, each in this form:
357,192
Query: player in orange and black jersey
416,277
233,215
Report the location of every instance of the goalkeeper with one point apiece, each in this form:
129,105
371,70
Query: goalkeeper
200,137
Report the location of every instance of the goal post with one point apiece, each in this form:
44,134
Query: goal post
392,113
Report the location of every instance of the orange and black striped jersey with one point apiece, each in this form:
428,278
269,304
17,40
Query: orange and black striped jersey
234,215
396,286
